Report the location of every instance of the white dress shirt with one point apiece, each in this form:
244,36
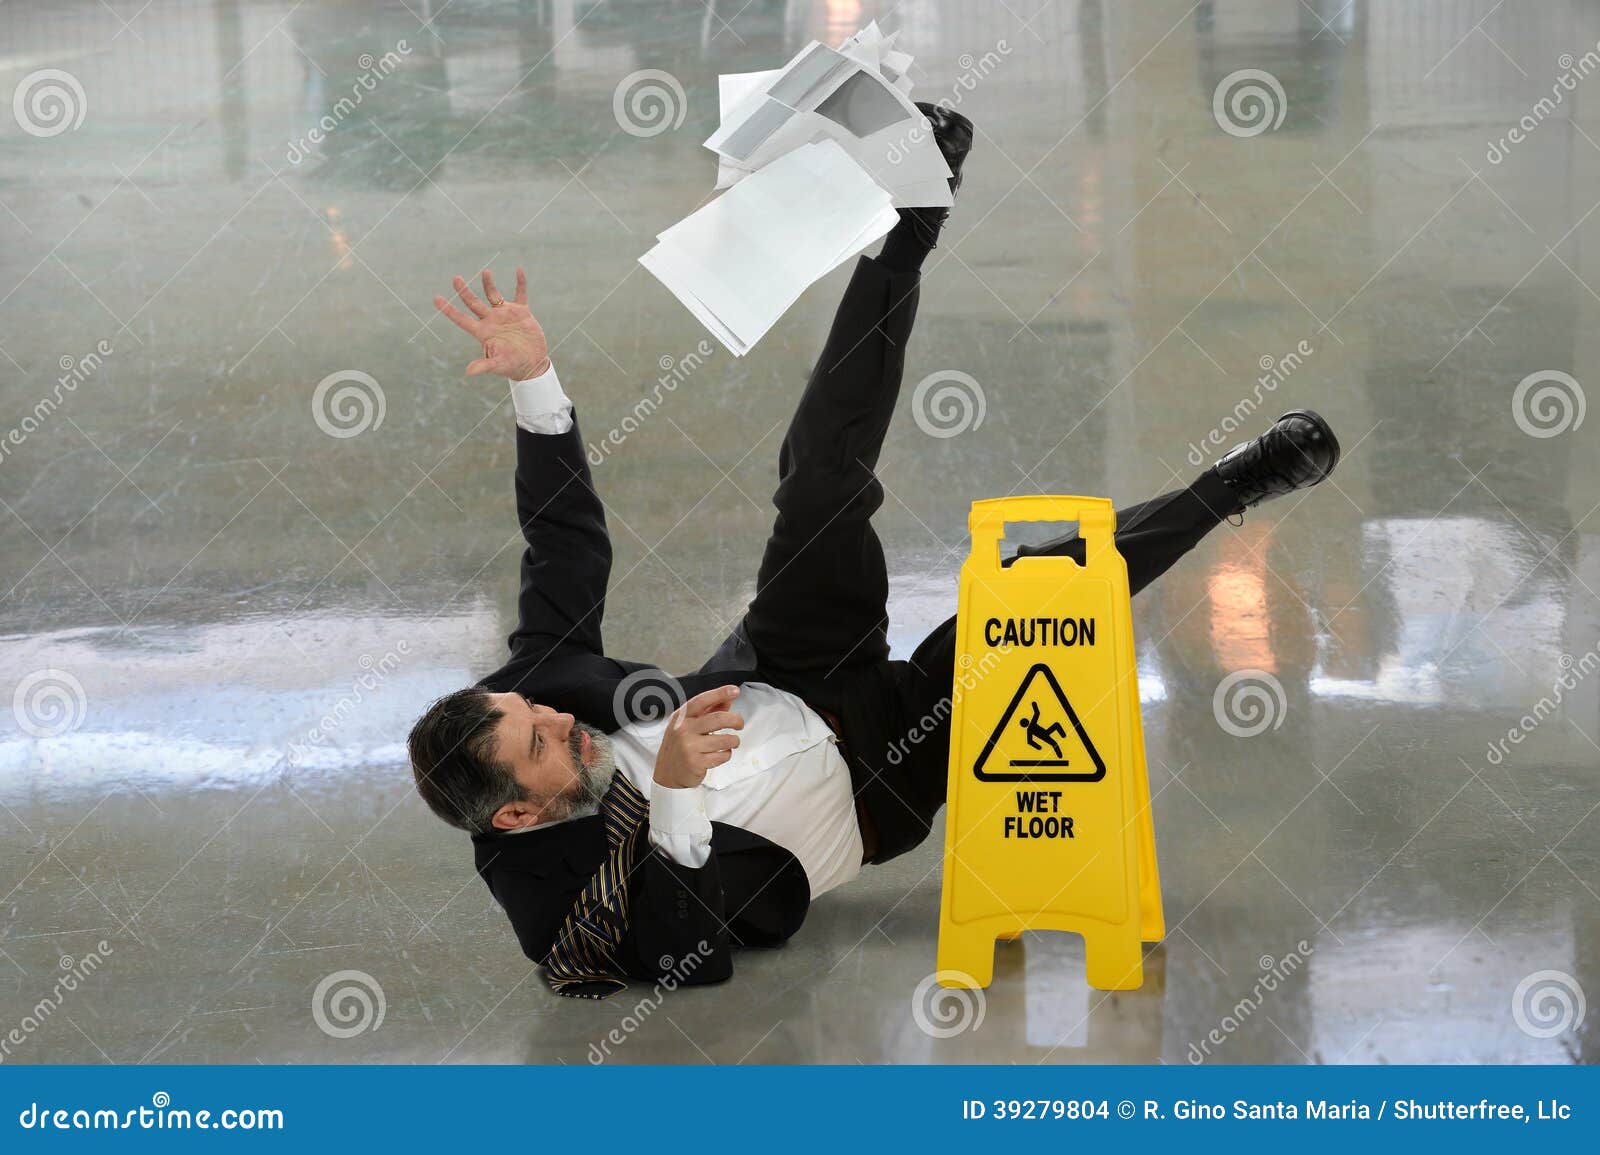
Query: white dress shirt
541,405
786,781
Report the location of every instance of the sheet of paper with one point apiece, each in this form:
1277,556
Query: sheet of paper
732,89
741,261
857,95
814,158
800,85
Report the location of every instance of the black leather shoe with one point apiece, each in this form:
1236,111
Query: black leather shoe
1299,451
952,132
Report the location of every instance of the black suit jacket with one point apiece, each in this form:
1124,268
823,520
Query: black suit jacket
751,892
682,922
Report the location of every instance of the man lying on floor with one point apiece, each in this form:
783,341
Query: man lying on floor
622,843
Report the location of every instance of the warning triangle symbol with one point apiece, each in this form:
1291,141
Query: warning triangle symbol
1039,738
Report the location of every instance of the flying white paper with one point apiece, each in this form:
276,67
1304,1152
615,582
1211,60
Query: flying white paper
857,95
815,157
739,262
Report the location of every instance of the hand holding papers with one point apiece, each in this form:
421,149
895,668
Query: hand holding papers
815,156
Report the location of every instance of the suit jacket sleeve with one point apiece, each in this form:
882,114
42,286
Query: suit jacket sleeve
567,562
679,924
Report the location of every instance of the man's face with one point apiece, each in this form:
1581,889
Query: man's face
560,762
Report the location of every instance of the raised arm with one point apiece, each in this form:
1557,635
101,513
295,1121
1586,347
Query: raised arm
567,563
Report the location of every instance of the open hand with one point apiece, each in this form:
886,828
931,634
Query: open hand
514,345
690,746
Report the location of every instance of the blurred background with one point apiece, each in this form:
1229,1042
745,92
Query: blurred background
252,517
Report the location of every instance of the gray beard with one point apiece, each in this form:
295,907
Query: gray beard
593,781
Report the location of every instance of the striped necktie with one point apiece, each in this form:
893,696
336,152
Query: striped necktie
582,963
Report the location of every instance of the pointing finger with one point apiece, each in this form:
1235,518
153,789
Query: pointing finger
522,287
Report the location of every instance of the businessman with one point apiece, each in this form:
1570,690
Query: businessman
627,836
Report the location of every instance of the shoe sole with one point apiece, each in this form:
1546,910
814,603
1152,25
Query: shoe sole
1326,430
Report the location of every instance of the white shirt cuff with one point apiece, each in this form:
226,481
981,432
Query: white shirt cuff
541,405
679,827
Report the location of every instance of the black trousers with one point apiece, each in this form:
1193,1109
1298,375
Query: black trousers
819,621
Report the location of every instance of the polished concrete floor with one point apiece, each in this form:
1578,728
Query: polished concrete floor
218,620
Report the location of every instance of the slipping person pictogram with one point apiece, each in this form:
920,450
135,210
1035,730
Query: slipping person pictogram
593,823
1039,735
1072,756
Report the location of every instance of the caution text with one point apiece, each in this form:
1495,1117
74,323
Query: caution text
1008,632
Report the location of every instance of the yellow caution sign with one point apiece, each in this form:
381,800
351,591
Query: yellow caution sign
1048,824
